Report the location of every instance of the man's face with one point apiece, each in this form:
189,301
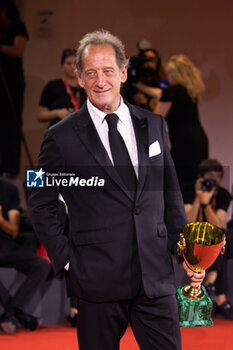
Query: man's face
215,175
69,67
101,77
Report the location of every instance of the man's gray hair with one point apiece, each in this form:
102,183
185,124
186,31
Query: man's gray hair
101,37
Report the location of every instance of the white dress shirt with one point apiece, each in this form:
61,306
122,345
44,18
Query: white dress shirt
124,126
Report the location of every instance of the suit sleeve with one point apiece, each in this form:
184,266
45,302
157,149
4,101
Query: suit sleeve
43,206
175,217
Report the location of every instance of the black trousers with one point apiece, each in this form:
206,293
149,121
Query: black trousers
4,295
154,323
220,265
34,267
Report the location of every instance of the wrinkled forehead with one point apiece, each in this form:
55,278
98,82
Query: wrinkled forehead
96,54
98,49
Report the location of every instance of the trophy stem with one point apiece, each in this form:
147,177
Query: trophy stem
193,293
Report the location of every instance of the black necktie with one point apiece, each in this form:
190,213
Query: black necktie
120,155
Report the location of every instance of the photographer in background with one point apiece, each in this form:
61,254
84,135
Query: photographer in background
146,77
207,201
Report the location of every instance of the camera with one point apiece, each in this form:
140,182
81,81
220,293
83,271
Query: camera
135,70
141,69
208,184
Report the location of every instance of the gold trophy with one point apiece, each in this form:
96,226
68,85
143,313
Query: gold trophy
200,243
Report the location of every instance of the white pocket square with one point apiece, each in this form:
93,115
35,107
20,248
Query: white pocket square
154,149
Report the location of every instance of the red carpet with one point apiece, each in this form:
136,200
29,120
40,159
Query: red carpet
219,337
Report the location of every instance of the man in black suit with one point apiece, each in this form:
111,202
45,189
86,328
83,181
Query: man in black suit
123,226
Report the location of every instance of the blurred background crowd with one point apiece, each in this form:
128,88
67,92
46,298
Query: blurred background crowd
173,88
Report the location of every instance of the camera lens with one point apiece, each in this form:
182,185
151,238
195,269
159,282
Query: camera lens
208,184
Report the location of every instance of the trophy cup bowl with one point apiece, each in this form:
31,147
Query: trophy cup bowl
200,244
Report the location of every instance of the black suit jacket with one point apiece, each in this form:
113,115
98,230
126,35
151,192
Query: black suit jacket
115,241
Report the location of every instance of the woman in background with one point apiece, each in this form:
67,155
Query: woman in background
13,41
179,105
62,96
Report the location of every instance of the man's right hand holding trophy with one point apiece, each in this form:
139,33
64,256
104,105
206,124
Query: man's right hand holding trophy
199,243
195,277
206,204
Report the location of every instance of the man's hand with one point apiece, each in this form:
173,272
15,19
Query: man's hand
10,226
63,112
196,278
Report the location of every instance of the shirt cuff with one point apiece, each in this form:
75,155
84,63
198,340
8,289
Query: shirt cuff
67,266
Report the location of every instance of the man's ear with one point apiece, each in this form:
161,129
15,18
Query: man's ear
80,79
124,75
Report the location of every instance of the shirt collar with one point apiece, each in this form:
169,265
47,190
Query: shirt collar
98,116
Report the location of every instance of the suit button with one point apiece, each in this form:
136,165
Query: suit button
136,211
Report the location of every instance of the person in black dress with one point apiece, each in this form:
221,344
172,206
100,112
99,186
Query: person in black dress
13,40
179,105
60,97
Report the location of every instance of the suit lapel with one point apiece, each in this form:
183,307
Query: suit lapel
141,133
88,135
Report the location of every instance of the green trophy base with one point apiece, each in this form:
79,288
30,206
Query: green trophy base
194,313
